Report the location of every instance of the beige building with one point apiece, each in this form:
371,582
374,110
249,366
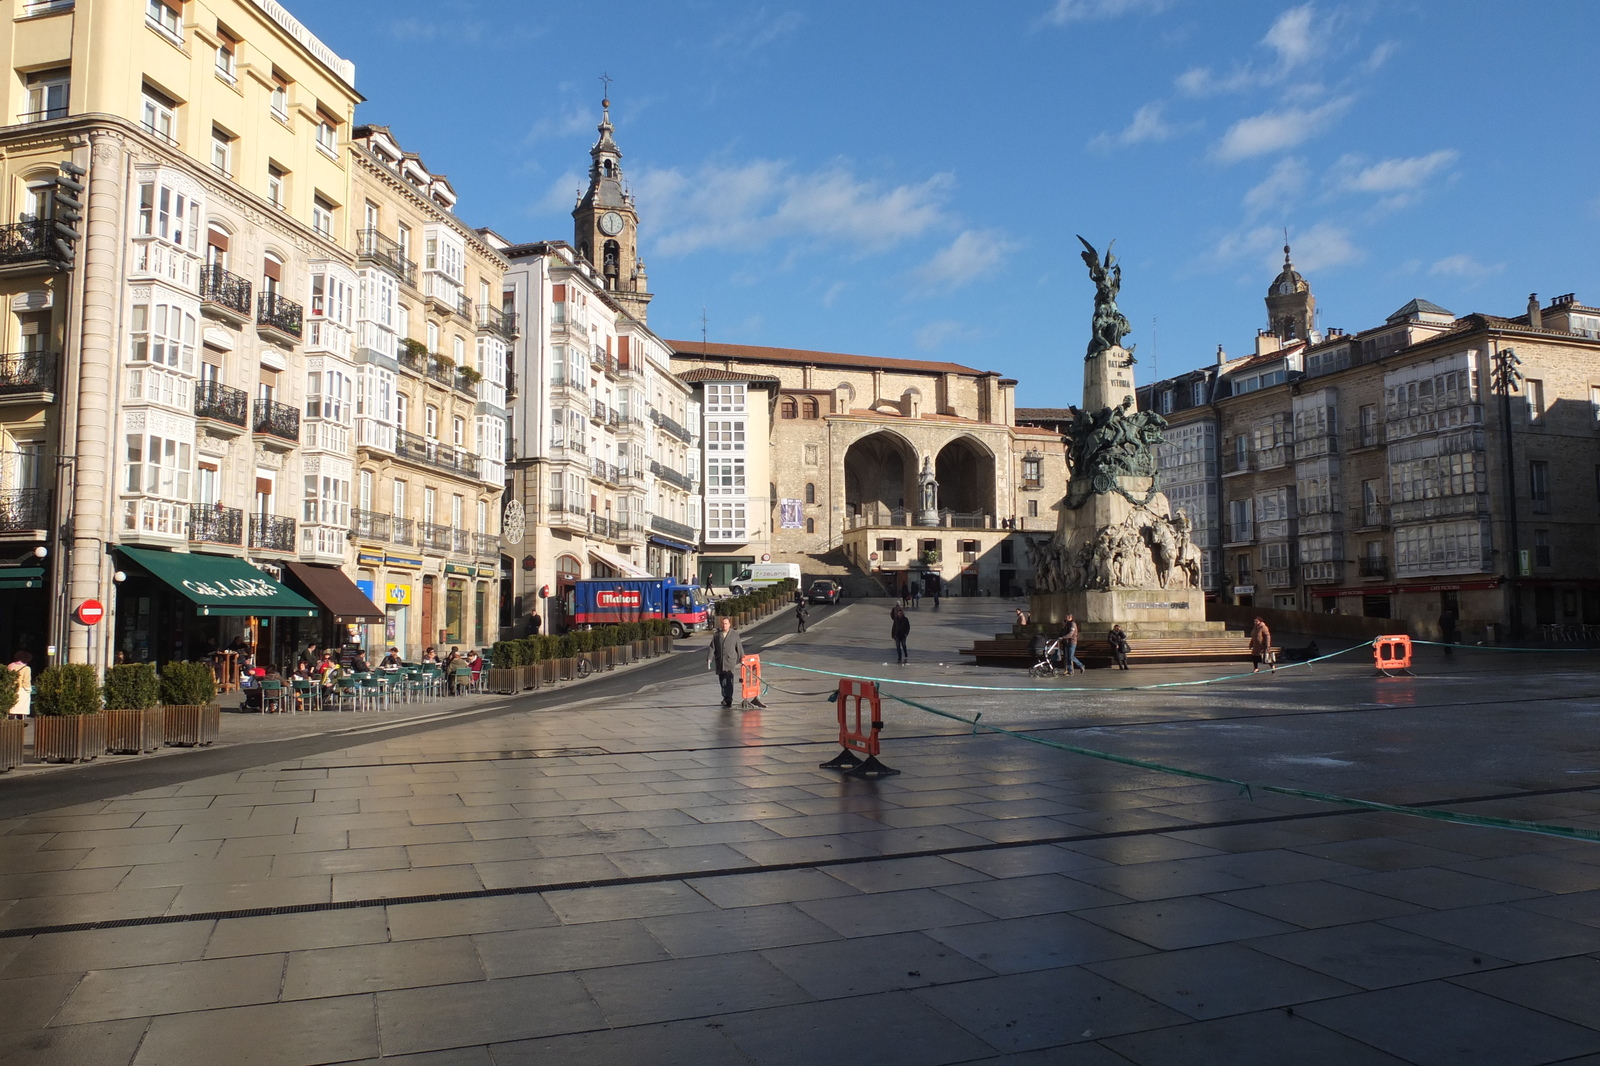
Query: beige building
838,453
1370,473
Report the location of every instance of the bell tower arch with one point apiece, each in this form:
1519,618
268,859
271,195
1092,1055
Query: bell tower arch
605,226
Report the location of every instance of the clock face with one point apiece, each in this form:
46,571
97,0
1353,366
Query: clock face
611,223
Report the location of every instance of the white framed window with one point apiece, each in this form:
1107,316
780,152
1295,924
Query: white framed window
160,115
327,135
221,152
276,178
725,522
458,431
725,399
48,94
163,334
1169,400
433,336
1533,389
430,504
364,493
326,501
459,351
158,466
397,499
725,436
483,516
725,477
456,511
280,98
227,68
330,298
166,213
402,408
328,394
1198,396
322,217
164,18
430,422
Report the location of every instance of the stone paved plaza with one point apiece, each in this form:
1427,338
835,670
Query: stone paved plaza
634,875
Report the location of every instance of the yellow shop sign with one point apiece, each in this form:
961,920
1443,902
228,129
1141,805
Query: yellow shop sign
396,595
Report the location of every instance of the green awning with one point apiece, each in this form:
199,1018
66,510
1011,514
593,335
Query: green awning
21,577
221,585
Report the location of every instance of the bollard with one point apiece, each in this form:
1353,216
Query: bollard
750,681
851,695
1392,653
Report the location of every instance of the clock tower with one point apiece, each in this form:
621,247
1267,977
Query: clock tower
1291,308
606,226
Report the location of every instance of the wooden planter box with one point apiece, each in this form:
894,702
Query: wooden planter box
191,725
69,737
504,681
528,677
608,658
11,740
566,669
666,644
134,731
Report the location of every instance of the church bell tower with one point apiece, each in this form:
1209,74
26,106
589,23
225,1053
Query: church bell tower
606,226
1291,309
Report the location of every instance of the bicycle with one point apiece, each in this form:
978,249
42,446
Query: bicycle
584,667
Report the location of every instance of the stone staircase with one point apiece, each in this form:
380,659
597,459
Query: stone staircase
835,566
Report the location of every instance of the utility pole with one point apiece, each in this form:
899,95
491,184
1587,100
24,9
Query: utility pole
1504,380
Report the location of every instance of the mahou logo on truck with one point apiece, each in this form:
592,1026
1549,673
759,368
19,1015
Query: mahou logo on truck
617,598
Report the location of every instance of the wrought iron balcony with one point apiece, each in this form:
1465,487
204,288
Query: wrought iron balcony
273,533
501,322
277,420
442,373
666,473
460,542
601,526
433,536
23,242
212,523
427,452
1373,566
671,528
24,510
222,289
27,372
670,426
486,546
276,312
213,399
386,252
370,525
413,356
404,531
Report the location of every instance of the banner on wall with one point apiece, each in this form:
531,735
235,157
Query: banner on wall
789,515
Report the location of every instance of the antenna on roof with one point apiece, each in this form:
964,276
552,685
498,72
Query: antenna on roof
1155,353
703,330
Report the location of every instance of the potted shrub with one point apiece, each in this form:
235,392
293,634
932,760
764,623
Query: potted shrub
190,718
545,650
12,728
567,656
504,659
529,670
68,725
469,375
133,721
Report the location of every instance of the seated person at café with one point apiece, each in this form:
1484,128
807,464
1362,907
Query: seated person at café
359,665
430,657
391,661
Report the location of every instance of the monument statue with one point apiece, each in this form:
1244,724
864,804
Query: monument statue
1109,325
928,513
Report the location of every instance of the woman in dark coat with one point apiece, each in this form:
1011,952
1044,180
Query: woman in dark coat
900,629
1119,646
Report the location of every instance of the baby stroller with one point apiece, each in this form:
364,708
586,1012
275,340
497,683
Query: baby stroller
1050,659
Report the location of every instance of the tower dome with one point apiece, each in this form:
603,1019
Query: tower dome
1291,308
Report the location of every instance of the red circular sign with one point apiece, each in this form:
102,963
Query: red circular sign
90,611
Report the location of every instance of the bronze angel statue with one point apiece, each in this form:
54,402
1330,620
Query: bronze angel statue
1110,325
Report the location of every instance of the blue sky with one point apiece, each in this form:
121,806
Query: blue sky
906,179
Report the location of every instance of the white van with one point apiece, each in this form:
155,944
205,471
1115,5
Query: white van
760,575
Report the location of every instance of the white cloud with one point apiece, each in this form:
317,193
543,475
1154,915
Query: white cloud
753,204
1293,36
570,121
1393,175
1280,188
940,332
1321,247
562,194
1199,81
1273,131
761,28
1067,11
963,259
835,290
1464,266
1147,125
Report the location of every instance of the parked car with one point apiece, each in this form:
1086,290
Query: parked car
823,591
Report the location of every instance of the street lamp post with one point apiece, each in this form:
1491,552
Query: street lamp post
1504,380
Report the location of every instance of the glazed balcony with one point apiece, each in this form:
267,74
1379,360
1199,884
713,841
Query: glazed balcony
225,294
276,420
280,315
272,533
212,523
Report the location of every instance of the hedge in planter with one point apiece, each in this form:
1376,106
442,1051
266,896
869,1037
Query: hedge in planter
190,717
11,729
134,723
69,725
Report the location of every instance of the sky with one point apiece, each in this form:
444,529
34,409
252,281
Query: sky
908,179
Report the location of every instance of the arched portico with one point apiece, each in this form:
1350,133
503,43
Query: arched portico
880,475
965,471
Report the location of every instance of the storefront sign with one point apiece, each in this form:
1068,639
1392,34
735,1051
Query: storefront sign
367,588
412,561
488,571
398,595
1244,590
457,568
369,558
241,588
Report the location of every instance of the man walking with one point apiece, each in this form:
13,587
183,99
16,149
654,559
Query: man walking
1069,635
801,613
1261,647
900,629
1448,621
1118,639
723,656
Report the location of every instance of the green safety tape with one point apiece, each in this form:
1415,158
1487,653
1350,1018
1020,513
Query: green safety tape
1247,788
1059,688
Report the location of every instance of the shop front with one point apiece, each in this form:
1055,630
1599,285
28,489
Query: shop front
346,609
717,571
190,606
25,621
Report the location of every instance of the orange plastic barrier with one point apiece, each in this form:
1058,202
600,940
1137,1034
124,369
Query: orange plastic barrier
750,680
1392,653
851,697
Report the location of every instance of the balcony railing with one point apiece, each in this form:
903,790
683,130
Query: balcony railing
460,542
607,472
281,314
427,452
486,546
671,528
213,399
370,525
670,426
502,322
277,420
23,242
433,536
601,526
405,531
412,357
212,523
272,533
666,473
28,372
24,509
1373,566
226,290
387,253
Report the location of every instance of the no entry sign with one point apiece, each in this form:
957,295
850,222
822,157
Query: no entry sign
89,612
